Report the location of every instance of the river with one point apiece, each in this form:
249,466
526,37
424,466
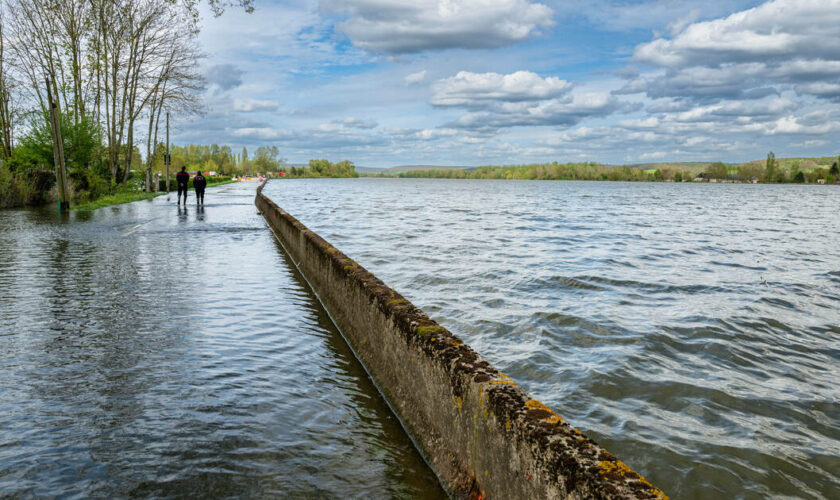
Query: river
147,351
691,329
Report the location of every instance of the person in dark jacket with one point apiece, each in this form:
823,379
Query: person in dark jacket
199,183
183,180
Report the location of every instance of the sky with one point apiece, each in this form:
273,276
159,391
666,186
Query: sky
480,82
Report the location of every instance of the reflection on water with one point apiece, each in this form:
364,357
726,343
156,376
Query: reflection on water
152,350
691,329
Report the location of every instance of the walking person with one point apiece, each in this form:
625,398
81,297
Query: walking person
199,183
183,180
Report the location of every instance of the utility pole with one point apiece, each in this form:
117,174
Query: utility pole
58,150
167,158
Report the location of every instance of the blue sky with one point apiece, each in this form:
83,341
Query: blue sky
472,82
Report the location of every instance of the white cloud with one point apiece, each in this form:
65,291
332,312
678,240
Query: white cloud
480,89
249,105
747,55
400,27
415,77
262,133
562,112
787,28
356,123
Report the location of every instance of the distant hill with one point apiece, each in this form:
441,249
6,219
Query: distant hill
676,165
409,168
369,170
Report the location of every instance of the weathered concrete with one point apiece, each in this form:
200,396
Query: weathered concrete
483,435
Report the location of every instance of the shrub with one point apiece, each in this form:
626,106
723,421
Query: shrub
19,189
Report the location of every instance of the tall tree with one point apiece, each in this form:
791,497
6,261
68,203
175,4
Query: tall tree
770,167
6,117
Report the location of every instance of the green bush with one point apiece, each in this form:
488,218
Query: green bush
19,189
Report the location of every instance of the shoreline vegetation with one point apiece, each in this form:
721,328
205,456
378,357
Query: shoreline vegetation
86,94
132,196
823,170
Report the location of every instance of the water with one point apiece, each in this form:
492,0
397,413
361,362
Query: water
691,329
147,352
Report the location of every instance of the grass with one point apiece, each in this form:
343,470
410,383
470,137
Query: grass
116,199
128,197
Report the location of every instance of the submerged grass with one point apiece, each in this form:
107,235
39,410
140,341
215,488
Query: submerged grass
129,196
116,199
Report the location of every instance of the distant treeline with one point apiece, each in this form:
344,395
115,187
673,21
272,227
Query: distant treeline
792,170
322,168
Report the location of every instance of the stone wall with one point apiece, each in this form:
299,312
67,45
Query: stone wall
481,433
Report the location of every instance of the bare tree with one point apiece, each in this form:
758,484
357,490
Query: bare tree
6,118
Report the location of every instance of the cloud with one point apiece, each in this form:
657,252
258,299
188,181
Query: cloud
747,55
356,123
825,90
563,112
478,90
248,105
415,77
522,98
262,133
789,29
400,27
765,109
224,76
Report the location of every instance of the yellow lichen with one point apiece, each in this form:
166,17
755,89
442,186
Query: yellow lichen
502,382
397,302
621,469
458,402
536,405
507,424
428,330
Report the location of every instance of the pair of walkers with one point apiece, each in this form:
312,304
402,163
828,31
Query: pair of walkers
199,183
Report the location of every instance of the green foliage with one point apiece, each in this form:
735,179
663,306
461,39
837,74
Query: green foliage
119,198
325,168
265,159
717,170
88,185
550,171
35,148
770,168
19,188
798,177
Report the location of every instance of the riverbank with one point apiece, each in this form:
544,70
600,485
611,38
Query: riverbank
823,170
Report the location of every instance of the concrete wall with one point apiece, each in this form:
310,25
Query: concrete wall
483,435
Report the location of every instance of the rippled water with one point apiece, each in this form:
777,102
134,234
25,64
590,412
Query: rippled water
155,353
691,329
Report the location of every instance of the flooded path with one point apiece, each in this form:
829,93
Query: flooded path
155,352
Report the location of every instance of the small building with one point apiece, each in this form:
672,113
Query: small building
820,181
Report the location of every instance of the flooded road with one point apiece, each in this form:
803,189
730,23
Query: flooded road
147,351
